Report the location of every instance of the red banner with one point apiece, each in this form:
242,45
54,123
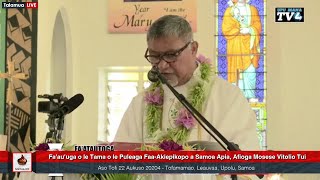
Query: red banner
176,156
4,156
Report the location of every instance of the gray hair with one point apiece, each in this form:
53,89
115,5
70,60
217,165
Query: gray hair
170,26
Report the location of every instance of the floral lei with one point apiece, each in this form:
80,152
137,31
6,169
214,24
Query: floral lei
175,138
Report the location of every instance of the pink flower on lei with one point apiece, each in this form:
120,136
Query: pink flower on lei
154,97
185,119
42,147
169,145
202,59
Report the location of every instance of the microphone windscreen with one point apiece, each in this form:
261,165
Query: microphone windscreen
152,75
73,103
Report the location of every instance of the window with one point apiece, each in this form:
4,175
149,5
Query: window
117,87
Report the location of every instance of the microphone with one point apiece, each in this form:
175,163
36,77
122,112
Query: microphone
153,75
69,105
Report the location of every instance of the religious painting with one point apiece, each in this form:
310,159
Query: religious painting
18,77
241,51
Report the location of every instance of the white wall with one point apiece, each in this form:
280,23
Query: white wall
293,84
292,64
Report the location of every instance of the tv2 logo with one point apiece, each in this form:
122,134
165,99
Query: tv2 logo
289,15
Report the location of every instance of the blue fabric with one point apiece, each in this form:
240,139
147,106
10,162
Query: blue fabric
248,82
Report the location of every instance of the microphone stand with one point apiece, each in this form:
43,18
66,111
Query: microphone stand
55,124
230,145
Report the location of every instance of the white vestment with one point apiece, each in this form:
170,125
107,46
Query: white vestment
225,108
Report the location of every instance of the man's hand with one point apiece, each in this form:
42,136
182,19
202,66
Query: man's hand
244,30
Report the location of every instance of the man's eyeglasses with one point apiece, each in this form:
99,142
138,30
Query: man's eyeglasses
167,57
